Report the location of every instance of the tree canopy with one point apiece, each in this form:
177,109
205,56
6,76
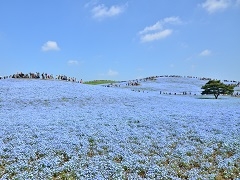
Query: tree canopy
216,88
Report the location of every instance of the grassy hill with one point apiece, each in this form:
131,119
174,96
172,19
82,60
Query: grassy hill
97,82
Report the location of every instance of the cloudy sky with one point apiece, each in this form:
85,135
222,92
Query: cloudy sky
121,40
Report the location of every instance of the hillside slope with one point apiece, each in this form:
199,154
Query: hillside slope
54,129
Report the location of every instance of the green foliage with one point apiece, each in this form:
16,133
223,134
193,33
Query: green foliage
216,88
96,82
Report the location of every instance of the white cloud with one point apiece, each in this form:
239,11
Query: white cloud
50,46
172,20
158,30
205,53
112,73
213,6
160,24
156,36
157,26
73,62
101,11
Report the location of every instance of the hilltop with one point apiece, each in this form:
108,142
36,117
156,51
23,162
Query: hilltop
171,85
165,84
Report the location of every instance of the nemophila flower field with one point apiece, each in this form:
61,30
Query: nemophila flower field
55,130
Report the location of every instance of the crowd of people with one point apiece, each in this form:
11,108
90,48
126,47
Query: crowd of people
45,76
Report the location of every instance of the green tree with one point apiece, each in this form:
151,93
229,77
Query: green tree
216,88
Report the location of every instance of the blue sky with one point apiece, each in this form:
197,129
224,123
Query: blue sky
121,40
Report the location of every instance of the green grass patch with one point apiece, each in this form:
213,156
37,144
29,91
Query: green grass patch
97,82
